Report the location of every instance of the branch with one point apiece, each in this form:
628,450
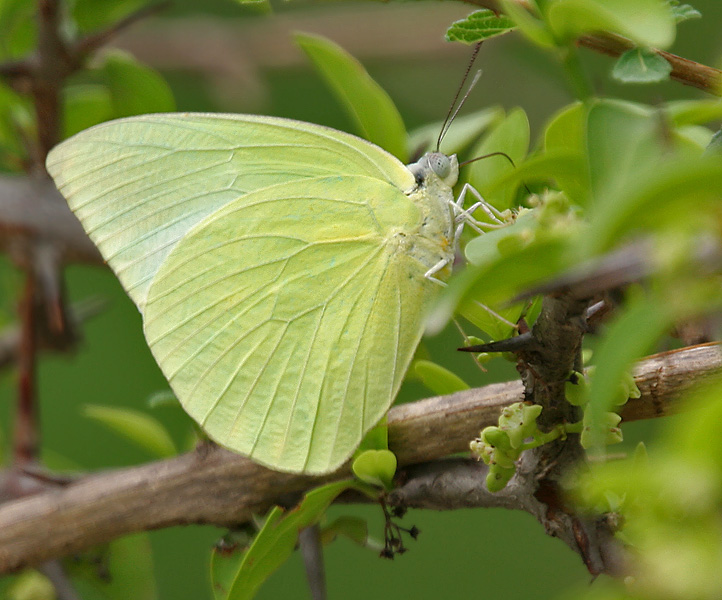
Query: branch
212,485
687,72
33,213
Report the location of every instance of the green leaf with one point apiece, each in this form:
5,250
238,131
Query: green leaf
510,136
629,336
683,12
479,26
374,113
91,15
354,528
623,146
135,426
275,542
438,379
376,467
566,132
641,65
85,105
463,132
695,434
565,129
376,439
226,558
566,168
693,112
18,28
715,144
128,560
162,398
645,22
135,88
16,122
531,27
681,191
31,585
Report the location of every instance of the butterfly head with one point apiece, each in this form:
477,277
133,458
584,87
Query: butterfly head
436,164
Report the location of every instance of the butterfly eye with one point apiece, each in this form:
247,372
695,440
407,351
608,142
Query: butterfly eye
440,164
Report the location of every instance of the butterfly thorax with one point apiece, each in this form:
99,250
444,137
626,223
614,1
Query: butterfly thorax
433,242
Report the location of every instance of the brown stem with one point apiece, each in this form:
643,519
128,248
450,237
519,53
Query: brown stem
26,418
51,70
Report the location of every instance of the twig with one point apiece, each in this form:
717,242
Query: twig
26,429
212,485
46,341
92,42
687,72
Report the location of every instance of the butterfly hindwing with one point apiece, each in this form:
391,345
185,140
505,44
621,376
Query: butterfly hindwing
286,320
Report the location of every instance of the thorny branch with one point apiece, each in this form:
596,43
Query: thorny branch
212,485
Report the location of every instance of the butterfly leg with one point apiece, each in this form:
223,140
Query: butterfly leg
464,215
435,269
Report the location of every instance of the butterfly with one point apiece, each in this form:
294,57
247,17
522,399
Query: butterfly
283,269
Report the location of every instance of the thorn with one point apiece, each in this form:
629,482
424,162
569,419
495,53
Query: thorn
518,343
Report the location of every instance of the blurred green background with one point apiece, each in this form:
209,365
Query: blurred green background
218,56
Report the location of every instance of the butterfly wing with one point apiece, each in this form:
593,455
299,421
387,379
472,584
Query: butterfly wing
286,320
139,184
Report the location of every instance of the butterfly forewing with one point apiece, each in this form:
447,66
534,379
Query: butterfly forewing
139,184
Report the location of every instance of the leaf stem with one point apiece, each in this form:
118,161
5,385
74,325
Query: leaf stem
577,78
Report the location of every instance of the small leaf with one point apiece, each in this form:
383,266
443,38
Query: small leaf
226,558
641,65
354,528
683,12
529,25
90,15
479,26
30,585
510,136
646,22
279,535
376,467
693,112
18,27
631,334
128,559
162,398
622,144
377,118
134,87
376,439
135,426
715,145
464,131
438,379
85,105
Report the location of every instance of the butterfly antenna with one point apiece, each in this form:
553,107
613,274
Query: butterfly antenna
451,115
504,154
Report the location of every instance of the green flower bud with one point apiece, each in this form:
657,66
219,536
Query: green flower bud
577,393
496,437
497,478
504,459
482,450
529,415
